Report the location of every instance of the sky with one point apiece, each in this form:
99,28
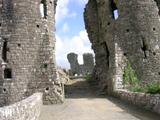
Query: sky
71,35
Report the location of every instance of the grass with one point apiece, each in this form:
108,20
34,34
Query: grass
129,76
88,77
131,82
153,88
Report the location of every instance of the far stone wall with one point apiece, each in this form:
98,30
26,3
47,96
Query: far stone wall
76,68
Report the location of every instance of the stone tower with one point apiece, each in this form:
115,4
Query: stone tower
27,46
88,63
122,32
73,60
81,69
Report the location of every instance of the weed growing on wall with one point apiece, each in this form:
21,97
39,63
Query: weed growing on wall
88,77
131,82
129,77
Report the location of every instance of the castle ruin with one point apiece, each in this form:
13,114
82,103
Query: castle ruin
85,68
124,32
27,43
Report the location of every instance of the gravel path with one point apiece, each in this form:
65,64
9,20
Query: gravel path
82,104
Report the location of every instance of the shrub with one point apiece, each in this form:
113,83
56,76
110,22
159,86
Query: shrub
138,88
88,77
132,83
153,88
129,76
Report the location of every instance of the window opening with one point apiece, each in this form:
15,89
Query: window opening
4,51
144,48
114,9
43,9
7,73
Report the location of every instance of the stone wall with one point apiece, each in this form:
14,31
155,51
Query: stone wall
27,51
132,38
85,68
74,65
28,109
147,101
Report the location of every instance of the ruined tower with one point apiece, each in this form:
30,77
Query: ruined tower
27,46
73,60
123,32
88,63
81,69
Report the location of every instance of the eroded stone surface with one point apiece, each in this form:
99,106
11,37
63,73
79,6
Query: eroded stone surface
133,37
27,54
28,109
147,101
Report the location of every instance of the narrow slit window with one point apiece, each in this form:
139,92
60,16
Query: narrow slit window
4,51
144,48
7,73
43,9
114,9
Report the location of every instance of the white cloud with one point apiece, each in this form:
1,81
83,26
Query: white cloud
82,2
72,15
63,11
65,28
78,44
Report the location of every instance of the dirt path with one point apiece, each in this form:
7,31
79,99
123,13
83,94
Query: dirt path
82,104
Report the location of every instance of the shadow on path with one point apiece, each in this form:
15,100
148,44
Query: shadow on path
82,103
79,88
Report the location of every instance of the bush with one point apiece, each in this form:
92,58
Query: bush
138,88
129,76
88,77
153,88
132,83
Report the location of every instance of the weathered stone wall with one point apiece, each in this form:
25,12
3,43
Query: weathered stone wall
74,65
147,101
27,51
96,13
28,109
83,69
88,63
133,37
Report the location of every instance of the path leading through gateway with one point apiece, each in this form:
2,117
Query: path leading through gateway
84,104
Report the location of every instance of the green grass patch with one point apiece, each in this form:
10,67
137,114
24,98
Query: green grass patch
131,82
153,88
88,77
129,76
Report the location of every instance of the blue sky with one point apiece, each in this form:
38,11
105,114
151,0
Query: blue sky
71,35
